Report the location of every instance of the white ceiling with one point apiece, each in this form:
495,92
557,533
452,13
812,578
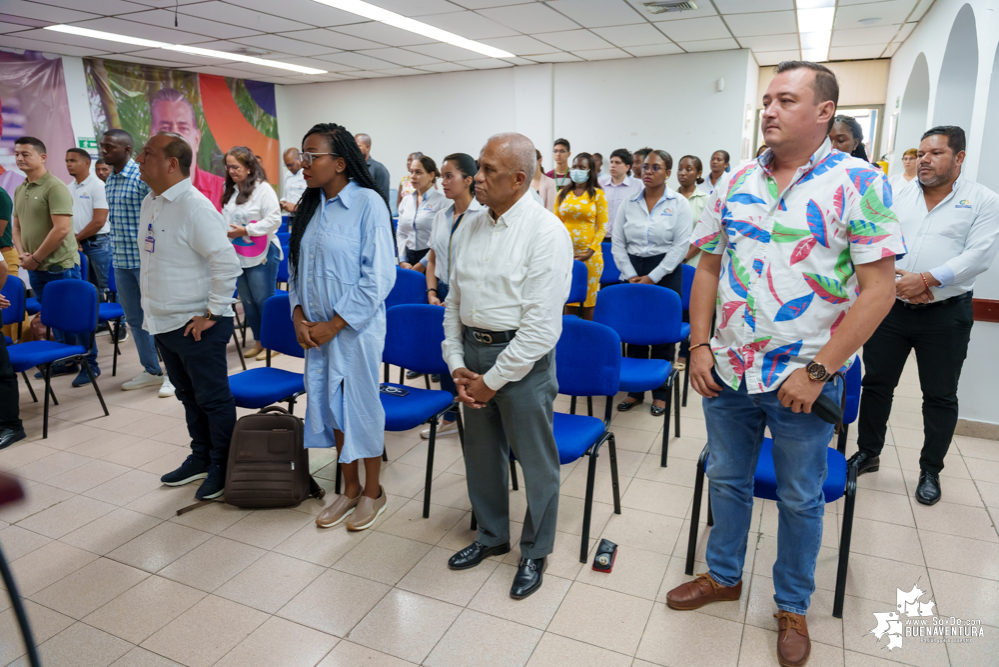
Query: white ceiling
349,47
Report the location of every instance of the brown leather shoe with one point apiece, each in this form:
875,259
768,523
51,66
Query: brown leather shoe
699,592
793,645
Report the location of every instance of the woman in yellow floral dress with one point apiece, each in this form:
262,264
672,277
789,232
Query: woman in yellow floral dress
582,207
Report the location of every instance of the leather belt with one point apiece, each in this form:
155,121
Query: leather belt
934,304
491,337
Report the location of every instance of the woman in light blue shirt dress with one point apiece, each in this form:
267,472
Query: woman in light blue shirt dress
342,264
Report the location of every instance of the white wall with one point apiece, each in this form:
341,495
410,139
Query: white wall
667,102
978,380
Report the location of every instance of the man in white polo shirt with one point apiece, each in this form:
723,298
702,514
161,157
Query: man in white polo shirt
90,217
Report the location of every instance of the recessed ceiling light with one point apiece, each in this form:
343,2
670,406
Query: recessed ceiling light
870,21
815,24
195,50
375,13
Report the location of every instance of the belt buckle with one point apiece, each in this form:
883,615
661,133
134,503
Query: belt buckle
483,337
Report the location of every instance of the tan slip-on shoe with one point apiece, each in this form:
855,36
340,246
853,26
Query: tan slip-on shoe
338,510
793,644
699,592
367,510
252,353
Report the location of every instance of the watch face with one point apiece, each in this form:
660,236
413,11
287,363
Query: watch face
816,371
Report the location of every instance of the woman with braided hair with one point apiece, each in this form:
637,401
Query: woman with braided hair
341,268
847,136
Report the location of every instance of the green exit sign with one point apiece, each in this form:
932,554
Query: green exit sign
87,143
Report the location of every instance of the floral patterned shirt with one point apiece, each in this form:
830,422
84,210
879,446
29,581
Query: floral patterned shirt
787,278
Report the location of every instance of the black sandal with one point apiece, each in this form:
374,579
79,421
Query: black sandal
657,411
624,406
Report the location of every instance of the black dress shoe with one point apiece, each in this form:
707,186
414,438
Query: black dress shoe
624,406
412,375
928,491
865,462
528,577
474,554
9,436
656,411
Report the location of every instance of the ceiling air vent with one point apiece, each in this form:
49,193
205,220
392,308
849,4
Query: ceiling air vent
663,6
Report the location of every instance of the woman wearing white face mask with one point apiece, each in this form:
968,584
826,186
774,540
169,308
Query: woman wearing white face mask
582,207
416,214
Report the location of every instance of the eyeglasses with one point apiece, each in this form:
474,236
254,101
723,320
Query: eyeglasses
653,167
233,167
309,158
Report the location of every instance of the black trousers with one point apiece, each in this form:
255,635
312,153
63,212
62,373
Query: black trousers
674,281
414,256
939,334
200,372
9,398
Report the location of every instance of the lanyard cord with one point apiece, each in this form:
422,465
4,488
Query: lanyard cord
454,228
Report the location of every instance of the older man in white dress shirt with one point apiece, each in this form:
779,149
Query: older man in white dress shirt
188,271
511,270
951,227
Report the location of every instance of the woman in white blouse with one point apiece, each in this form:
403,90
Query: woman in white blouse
908,176
417,211
649,241
250,207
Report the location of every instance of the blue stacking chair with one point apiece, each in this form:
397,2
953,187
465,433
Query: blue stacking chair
410,288
259,387
841,481
72,308
112,312
414,334
284,238
610,275
14,291
578,435
580,277
646,315
31,304
688,283
285,227
282,272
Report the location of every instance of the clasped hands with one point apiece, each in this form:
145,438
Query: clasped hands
472,389
236,231
642,280
314,334
910,286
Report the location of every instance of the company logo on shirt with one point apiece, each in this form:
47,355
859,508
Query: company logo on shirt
667,211
84,195
964,203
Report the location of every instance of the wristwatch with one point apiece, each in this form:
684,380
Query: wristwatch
213,318
818,372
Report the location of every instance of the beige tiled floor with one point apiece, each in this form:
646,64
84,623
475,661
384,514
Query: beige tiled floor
114,577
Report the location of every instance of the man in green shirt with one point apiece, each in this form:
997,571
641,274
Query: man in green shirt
7,247
43,222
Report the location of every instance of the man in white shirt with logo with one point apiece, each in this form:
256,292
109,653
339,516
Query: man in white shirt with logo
951,225
188,272
294,182
90,216
618,185
511,269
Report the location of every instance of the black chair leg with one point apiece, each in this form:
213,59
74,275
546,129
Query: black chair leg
93,381
426,380
430,469
589,406
337,477
844,430
591,472
711,516
402,376
669,407
844,541
676,401
239,351
47,373
114,339
513,476
612,449
686,381
30,388
695,517
386,372
572,405
384,455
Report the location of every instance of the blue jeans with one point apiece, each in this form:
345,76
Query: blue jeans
735,423
130,298
97,248
38,280
256,285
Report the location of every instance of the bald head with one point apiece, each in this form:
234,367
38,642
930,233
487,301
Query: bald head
364,144
506,167
292,160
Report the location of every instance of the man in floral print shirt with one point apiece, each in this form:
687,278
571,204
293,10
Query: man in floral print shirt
799,254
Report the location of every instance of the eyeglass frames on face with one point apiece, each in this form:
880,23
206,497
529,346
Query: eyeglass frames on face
309,158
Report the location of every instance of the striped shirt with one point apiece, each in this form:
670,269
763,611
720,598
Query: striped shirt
125,193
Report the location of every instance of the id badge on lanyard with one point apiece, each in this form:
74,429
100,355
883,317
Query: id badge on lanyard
150,244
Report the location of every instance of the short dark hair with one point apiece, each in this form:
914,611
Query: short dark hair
825,87
563,142
429,165
82,153
33,142
955,136
664,156
644,152
624,155
100,160
121,135
180,149
599,155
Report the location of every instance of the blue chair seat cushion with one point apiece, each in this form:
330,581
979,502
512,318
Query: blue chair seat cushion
8,340
644,374
37,352
574,434
107,312
32,306
260,387
765,479
405,412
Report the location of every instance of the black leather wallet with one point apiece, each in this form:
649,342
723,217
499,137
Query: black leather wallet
603,560
827,409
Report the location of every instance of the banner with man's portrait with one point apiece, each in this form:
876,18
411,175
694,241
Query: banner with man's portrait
213,113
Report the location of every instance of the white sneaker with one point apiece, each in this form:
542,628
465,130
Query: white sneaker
443,428
167,389
142,380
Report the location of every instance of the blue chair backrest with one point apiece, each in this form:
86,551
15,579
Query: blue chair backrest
84,267
853,378
640,314
413,338
284,238
112,282
410,288
577,293
277,329
70,306
610,274
600,346
688,282
13,290
282,272
393,195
